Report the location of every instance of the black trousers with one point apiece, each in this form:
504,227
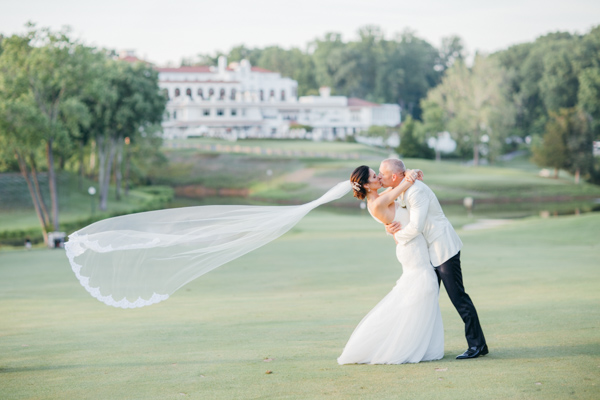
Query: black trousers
451,274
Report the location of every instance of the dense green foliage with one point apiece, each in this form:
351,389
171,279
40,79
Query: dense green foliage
567,143
554,80
474,106
410,144
63,103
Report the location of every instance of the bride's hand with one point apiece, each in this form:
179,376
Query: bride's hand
393,227
412,175
419,174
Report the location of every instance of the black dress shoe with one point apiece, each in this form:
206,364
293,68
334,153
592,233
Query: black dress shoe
473,352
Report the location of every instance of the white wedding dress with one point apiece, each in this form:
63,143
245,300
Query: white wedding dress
406,326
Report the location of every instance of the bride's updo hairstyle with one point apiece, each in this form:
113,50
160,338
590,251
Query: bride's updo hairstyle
359,177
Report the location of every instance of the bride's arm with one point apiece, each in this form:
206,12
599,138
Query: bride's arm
395,226
388,197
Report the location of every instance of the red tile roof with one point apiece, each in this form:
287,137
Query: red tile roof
355,102
259,69
200,68
204,69
189,81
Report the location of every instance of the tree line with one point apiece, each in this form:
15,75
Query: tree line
489,106
63,103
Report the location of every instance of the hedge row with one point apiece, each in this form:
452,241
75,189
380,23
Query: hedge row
158,197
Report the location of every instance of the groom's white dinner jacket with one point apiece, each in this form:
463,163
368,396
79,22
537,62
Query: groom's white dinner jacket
427,217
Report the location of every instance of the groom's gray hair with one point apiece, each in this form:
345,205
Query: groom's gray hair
395,165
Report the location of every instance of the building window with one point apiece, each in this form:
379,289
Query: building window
166,93
271,93
262,95
232,96
200,94
233,112
222,94
211,92
283,95
174,114
220,112
177,92
206,112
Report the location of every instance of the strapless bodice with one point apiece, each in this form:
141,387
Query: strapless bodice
402,215
414,255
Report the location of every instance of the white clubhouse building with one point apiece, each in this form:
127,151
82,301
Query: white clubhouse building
238,101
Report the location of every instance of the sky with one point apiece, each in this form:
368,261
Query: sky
166,31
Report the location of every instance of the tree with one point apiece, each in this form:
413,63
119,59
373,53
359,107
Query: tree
589,97
434,122
579,141
417,59
126,101
20,130
587,64
567,144
475,104
410,145
451,51
326,56
291,63
551,150
44,64
241,52
559,83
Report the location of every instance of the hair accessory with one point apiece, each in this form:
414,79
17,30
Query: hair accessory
356,186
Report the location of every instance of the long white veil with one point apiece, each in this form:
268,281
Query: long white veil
141,259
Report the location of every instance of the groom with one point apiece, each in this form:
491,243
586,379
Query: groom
427,217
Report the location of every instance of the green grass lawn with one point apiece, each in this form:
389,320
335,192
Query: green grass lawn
296,301
75,204
518,192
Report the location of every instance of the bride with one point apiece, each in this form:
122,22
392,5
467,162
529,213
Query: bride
406,326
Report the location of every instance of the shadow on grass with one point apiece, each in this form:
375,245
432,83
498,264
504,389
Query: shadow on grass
34,368
514,353
529,352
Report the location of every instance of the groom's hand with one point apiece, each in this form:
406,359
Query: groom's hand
393,227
